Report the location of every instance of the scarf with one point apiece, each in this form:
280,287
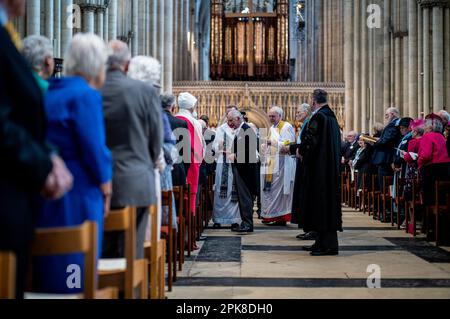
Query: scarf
225,173
268,178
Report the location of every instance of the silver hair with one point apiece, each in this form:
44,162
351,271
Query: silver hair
167,100
235,114
145,69
394,110
86,56
119,54
36,49
278,110
435,125
444,114
305,107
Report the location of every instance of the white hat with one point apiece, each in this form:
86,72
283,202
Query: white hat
186,101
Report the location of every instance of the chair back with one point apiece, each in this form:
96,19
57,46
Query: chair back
71,240
7,275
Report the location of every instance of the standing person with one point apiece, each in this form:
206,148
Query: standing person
245,168
134,135
320,156
226,205
28,166
279,172
351,147
73,106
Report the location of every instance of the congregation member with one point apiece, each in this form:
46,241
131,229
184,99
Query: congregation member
362,164
384,148
245,168
180,130
187,104
320,152
350,149
433,160
226,205
38,51
279,172
29,167
75,120
134,135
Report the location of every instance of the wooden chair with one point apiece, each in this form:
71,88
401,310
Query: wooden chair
126,273
7,275
155,253
373,197
413,206
71,240
399,201
188,218
441,206
178,192
169,234
385,197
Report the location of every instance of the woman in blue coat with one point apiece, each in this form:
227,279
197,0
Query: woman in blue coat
75,126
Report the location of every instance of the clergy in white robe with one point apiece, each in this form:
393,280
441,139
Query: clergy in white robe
278,172
226,206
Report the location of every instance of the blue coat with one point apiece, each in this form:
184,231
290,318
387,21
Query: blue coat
384,149
76,128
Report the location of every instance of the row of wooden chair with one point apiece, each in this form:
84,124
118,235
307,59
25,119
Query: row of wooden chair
369,199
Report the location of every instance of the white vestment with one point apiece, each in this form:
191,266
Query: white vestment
276,198
226,210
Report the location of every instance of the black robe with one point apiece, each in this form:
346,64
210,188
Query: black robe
320,194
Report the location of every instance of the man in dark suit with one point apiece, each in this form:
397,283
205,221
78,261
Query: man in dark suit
28,165
350,149
180,130
133,120
384,148
245,168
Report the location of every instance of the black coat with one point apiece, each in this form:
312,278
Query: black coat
246,163
384,149
24,157
320,194
24,161
180,170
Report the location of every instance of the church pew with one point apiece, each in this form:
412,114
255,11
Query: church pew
412,207
385,197
169,234
188,218
70,240
125,273
399,201
441,206
373,197
7,275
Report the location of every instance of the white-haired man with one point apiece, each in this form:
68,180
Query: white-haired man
132,111
278,172
226,206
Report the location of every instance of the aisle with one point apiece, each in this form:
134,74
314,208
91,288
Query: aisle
271,264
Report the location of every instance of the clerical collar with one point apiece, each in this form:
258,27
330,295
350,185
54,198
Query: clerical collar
3,16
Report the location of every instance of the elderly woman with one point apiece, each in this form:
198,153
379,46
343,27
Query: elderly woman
38,52
433,159
75,125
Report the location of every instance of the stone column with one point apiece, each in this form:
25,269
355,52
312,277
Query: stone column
57,28
168,45
153,27
447,57
66,24
33,18
364,69
88,18
160,37
405,55
141,27
412,57
357,66
420,61
106,24
348,64
398,95
426,61
176,36
135,27
99,12
387,54
378,73
112,20
49,20
438,57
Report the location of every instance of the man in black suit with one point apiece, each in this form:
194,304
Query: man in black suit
350,149
180,130
28,166
384,148
245,168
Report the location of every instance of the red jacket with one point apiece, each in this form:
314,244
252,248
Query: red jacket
433,150
413,147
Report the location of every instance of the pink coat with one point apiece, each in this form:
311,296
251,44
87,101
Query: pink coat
413,147
433,150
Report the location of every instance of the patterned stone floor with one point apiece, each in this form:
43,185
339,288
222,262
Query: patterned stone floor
270,264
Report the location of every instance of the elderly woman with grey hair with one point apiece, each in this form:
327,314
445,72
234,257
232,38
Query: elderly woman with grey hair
38,52
75,126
